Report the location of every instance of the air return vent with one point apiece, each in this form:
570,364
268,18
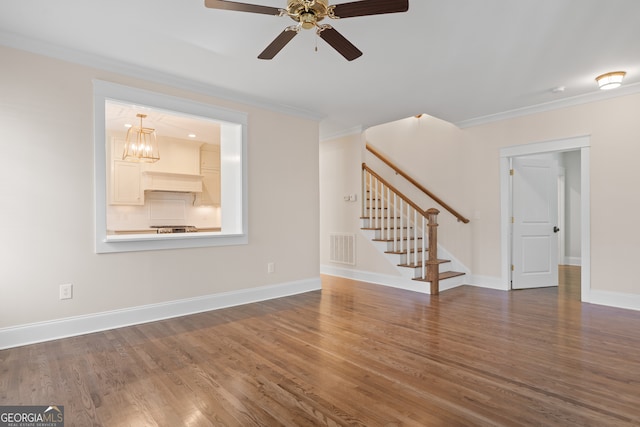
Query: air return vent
342,248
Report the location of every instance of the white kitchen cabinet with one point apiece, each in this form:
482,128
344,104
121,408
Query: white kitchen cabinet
126,188
210,171
210,195
210,157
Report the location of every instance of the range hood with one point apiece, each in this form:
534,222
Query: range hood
168,181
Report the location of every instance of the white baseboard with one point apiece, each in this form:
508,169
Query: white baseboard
614,299
72,326
488,282
376,278
399,282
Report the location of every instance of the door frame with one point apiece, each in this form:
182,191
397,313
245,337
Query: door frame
581,143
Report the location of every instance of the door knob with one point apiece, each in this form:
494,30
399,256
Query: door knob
555,229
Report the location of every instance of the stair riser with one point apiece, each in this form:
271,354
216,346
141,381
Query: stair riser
416,272
383,222
404,233
404,258
402,246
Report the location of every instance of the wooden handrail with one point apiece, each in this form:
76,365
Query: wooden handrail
416,184
430,265
394,189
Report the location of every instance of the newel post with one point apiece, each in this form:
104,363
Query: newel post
433,269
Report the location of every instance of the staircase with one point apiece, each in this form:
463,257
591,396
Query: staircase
405,233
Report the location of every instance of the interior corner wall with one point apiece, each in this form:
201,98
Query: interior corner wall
474,154
47,203
340,176
432,151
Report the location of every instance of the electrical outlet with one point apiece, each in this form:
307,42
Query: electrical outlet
271,267
66,291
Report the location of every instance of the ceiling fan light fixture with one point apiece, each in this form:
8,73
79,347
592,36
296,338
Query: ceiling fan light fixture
141,144
309,13
610,80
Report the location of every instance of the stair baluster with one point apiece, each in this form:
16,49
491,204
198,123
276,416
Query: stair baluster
402,224
424,249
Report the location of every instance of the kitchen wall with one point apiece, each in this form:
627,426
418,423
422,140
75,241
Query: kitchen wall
47,205
178,156
463,166
139,218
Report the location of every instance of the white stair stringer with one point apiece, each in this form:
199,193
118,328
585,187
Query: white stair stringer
407,274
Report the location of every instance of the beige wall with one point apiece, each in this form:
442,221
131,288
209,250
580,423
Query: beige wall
432,151
340,171
47,203
614,131
462,166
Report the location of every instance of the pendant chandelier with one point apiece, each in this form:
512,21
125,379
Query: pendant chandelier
141,144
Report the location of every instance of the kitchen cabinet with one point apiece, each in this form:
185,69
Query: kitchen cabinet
210,171
210,188
124,183
126,188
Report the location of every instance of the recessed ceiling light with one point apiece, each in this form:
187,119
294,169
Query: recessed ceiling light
127,125
192,135
558,89
610,80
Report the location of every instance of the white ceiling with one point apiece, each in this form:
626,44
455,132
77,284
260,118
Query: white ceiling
120,116
463,61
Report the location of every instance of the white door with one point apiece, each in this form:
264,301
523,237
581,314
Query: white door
535,216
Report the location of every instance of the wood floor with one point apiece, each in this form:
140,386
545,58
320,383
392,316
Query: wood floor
569,282
352,354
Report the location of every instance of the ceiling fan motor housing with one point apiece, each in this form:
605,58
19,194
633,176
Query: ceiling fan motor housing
307,13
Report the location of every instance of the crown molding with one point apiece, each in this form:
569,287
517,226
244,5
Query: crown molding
106,64
341,133
600,95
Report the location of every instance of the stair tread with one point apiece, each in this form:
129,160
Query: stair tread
443,276
385,228
419,264
402,252
397,240
367,217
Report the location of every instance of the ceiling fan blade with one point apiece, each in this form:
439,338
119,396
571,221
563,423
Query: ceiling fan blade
370,7
241,7
339,43
278,43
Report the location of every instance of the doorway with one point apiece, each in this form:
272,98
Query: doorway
580,147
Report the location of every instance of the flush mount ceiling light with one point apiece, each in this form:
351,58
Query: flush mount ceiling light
141,144
610,80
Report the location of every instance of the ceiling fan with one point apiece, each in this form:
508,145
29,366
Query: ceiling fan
308,14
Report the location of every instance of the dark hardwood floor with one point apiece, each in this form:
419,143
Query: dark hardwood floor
352,354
